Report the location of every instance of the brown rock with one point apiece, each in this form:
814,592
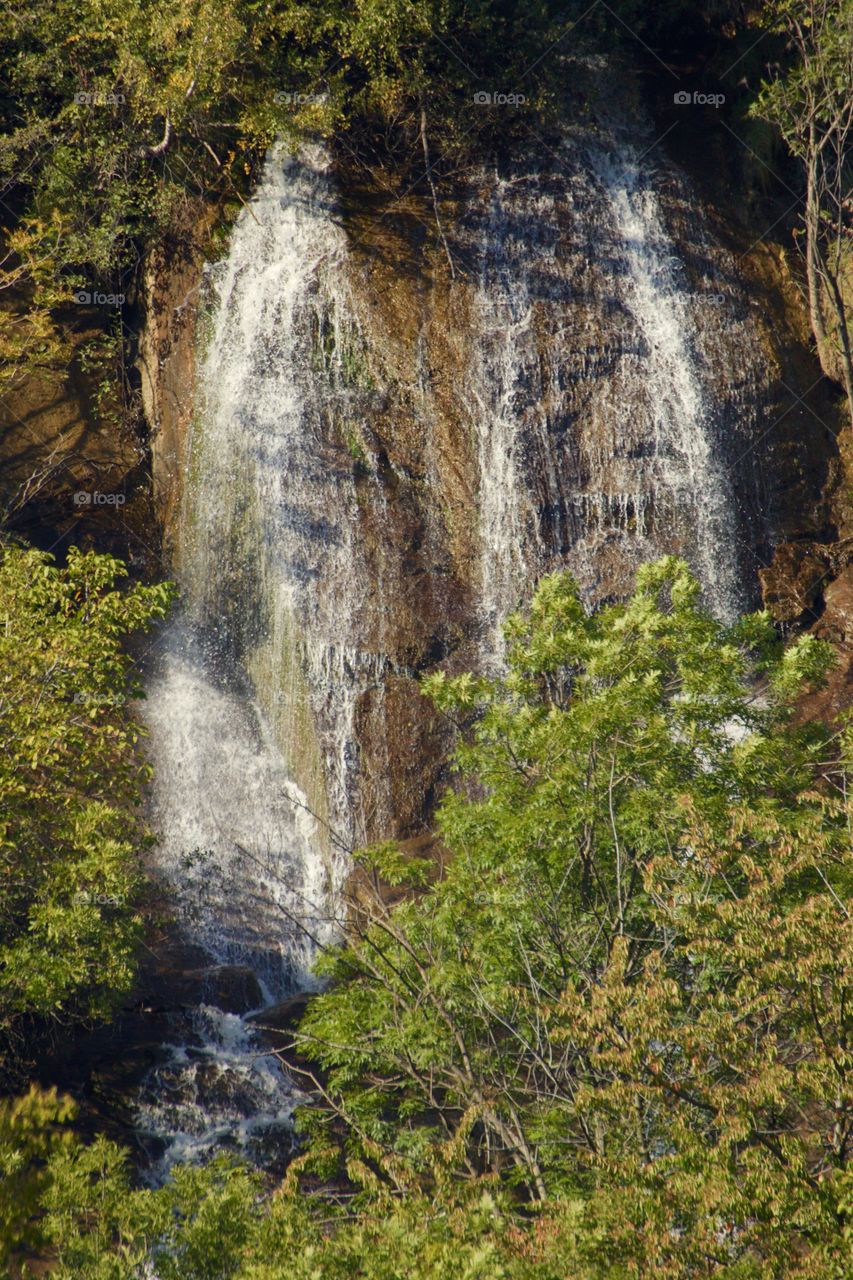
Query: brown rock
277,1023
836,622
835,697
166,361
284,1015
791,586
231,987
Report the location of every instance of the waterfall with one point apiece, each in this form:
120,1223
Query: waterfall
605,437
688,462
347,524
250,706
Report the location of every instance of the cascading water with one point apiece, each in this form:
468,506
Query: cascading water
250,708
687,460
604,435
327,550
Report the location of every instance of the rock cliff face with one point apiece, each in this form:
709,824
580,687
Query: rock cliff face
367,444
74,462
166,364
393,442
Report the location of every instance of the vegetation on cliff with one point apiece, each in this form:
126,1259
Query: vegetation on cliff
118,117
69,780
810,100
612,1038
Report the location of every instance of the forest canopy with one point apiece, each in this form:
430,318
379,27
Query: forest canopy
611,1038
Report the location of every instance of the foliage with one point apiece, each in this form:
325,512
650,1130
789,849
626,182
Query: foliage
630,984
69,778
104,1229
210,1224
613,1038
30,1131
810,99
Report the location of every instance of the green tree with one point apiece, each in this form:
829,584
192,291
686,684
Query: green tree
611,1038
810,100
69,779
212,1224
638,943
31,1129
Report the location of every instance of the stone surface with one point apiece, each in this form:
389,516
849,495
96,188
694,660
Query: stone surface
282,1016
836,622
405,430
793,584
231,987
172,284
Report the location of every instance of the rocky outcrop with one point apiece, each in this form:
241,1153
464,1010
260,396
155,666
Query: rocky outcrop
597,371
73,459
793,584
171,290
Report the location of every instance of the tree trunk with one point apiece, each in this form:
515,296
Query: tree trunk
813,268
844,336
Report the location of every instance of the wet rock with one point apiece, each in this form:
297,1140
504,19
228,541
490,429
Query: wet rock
836,622
231,987
171,289
275,1024
531,353
404,743
282,1016
792,585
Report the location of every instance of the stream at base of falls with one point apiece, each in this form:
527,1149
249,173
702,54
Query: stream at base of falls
241,865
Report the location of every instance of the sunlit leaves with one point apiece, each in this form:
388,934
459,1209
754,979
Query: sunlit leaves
69,778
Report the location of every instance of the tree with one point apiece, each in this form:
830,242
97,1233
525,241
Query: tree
69,779
611,1038
811,102
630,984
31,1130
